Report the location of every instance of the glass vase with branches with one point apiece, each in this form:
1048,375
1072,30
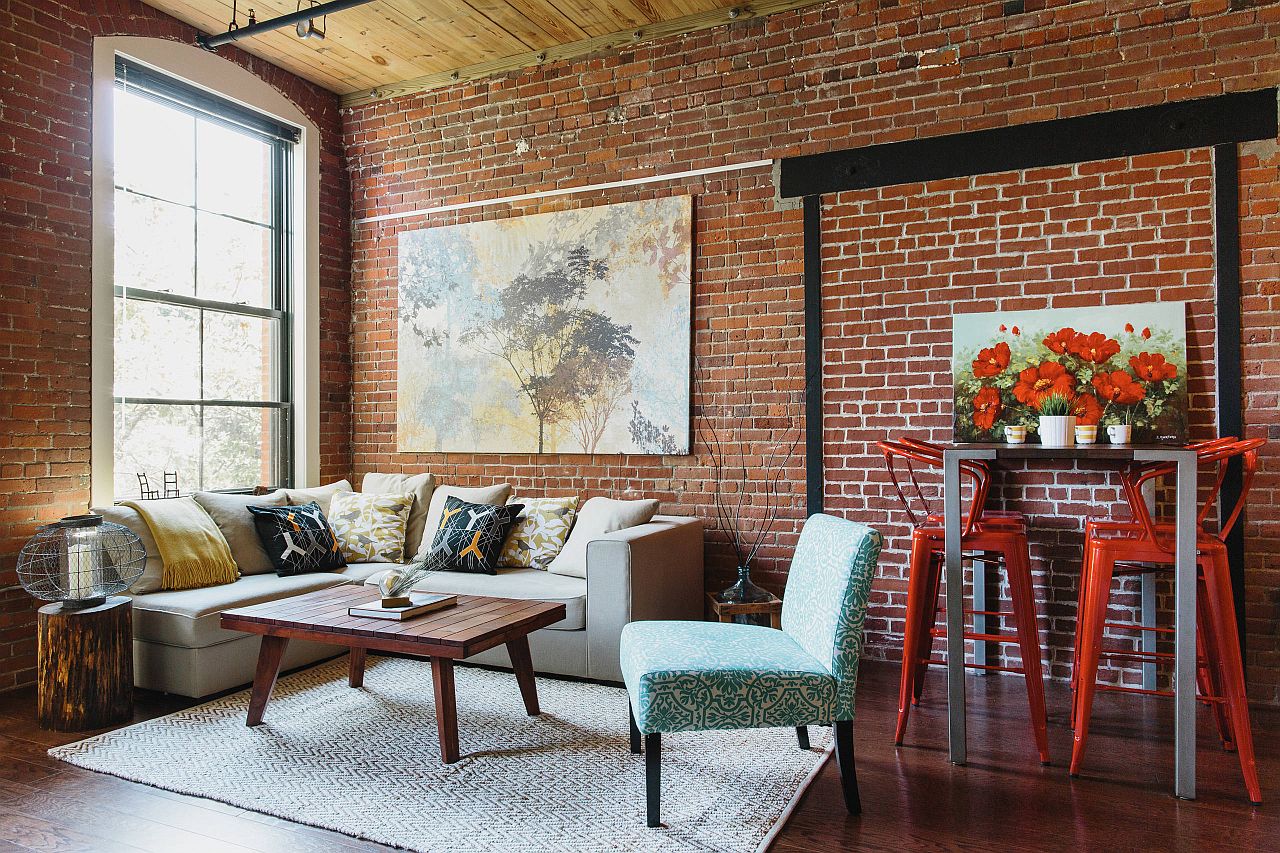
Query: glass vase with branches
722,429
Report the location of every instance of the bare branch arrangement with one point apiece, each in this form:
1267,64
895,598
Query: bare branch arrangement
729,463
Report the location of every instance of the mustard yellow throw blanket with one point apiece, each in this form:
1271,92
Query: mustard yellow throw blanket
193,549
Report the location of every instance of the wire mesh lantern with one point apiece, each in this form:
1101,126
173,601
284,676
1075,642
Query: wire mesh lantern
81,560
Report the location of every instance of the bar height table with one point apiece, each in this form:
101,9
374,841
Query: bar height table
1184,676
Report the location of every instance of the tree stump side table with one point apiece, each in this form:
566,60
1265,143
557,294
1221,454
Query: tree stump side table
85,660
728,612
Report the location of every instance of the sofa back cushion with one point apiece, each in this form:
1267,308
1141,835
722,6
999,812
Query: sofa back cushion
420,486
231,514
320,494
153,571
597,517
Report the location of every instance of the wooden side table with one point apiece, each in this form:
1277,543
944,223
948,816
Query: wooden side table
85,665
726,612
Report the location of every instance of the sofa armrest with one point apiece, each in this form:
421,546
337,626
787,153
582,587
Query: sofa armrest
652,571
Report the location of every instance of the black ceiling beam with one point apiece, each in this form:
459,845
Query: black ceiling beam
318,11
1201,123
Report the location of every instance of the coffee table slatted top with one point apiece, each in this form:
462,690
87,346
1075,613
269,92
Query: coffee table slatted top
472,625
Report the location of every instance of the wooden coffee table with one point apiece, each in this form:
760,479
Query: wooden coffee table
477,623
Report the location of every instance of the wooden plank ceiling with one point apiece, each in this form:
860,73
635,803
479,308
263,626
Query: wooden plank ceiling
390,42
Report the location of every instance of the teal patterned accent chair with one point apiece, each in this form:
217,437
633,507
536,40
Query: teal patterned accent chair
693,676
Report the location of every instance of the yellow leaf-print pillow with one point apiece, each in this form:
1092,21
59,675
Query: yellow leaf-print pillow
370,528
540,532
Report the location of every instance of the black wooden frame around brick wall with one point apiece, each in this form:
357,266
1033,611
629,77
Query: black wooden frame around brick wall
1220,123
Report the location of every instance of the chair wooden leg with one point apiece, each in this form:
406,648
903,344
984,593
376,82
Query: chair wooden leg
802,735
1018,569
635,732
653,778
1230,669
844,758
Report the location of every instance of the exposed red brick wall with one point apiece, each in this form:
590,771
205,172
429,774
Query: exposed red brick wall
901,260
837,76
46,62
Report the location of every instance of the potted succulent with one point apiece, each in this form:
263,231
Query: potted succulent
1057,424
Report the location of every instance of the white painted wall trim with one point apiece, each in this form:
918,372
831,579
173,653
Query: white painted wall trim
222,77
608,185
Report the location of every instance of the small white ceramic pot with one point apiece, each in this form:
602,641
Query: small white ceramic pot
1015,434
1057,430
1086,433
1120,433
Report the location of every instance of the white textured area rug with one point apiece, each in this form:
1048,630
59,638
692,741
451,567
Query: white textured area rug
366,762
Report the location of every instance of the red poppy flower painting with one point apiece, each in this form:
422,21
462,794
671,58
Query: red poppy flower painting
986,408
1060,341
1111,370
1036,383
991,361
1096,348
1118,387
1087,409
1151,367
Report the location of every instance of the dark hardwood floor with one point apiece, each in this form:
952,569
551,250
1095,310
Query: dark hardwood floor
913,799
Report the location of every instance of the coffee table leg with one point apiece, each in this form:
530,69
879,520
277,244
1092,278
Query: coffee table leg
446,708
355,667
264,679
518,651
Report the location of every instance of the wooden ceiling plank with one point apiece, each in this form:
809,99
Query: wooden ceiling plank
527,59
329,63
454,20
400,24
520,23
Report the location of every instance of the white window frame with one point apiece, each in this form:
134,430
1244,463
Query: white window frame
225,79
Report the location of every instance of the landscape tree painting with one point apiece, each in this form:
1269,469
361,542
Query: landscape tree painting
561,332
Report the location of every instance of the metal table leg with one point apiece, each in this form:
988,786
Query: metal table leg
956,728
1184,732
1184,616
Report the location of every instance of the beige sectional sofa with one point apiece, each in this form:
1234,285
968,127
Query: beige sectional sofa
652,571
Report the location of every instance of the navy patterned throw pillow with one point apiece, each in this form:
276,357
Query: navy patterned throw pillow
298,539
470,536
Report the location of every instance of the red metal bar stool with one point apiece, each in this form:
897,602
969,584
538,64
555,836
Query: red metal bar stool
1003,538
1220,668
1131,479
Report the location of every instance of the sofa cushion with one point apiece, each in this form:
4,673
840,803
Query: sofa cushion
470,536
491,495
153,571
360,572
370,528
190,617
231,514
692,676
597,517
540,532
420,486
530,584
298,539
322,495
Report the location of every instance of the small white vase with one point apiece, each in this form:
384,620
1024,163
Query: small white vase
1057,430
1120,433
